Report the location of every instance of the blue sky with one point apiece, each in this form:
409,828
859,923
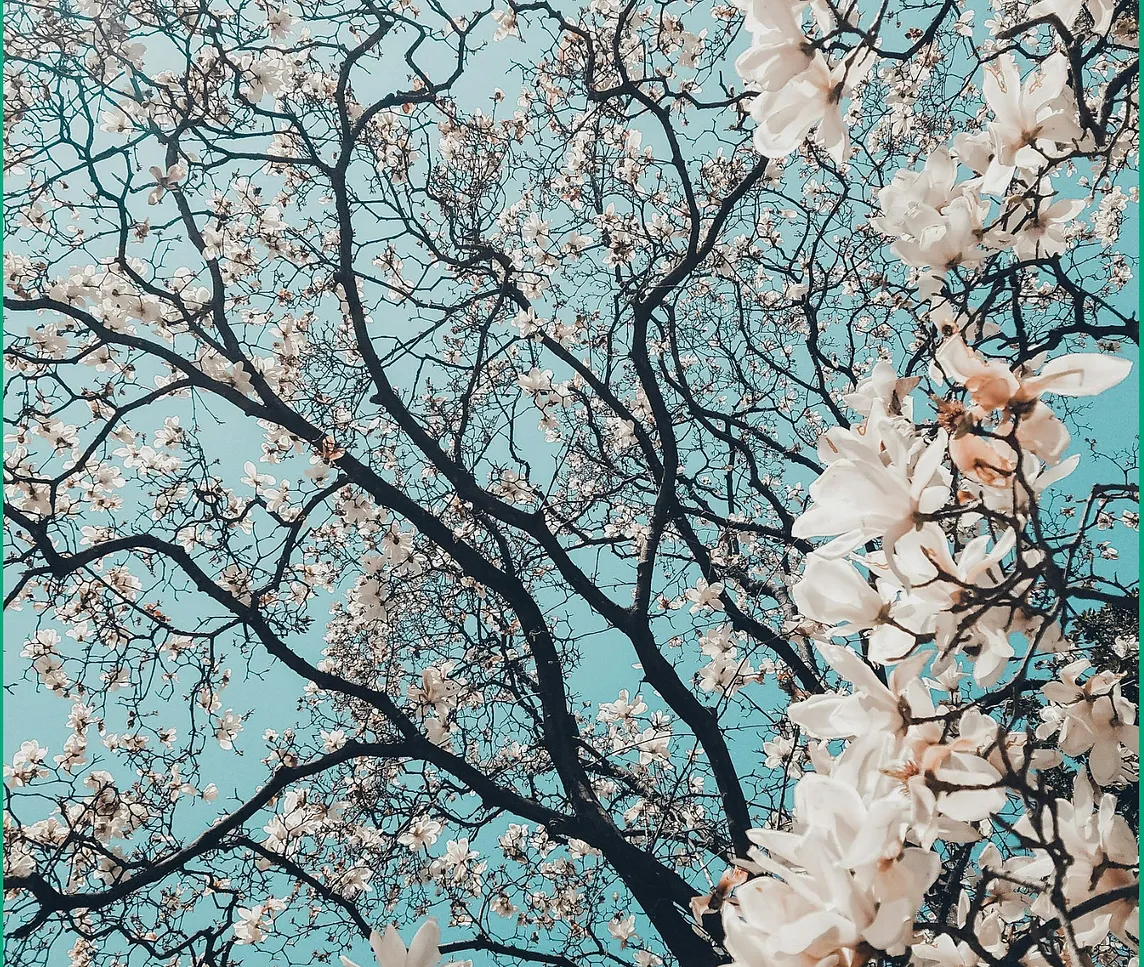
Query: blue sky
272,694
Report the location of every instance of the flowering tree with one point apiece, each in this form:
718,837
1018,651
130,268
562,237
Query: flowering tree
603,477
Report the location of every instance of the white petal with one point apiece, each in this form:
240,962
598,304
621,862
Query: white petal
1081,374
957,360
829,716
832,591
820,801
388,950
928,464
891,925
1059,472
423,950
972,805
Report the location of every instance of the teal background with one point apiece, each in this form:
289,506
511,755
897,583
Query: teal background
271,692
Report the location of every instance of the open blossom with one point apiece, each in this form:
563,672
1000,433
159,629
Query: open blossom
950,768
255,923
622,709
1031,118
165,180
938,222
812,101
622,928
872,706
726,673
914,199
883,388
1067,11
949,782
993,385
779,50
705,595
945,783
946,587
801,89
1094,717
1040,229
250,927
422,832
832,591
869,493
1102,856
228,727
840,881
27,764
506,25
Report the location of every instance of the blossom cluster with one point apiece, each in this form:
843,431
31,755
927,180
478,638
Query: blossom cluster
937,603
427,497
922,762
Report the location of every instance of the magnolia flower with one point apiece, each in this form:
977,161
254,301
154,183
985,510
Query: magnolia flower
989,461
437,691
940,240
1031,118
801,89
506,24
779,50
165,180
948,784
458,858
1093,717
1067,12
832,591
535,381
992,385
423,831
938,222
946,952
1102,856
389,950
811,100
1041,433
654,745
860,498
622,928
116,121
705,595
726,673
397,546
883,386
1040,230
251,927
278,23
622,709
949,589
27,764
945,581
913,197
841,881
872,707
895,733
227,729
